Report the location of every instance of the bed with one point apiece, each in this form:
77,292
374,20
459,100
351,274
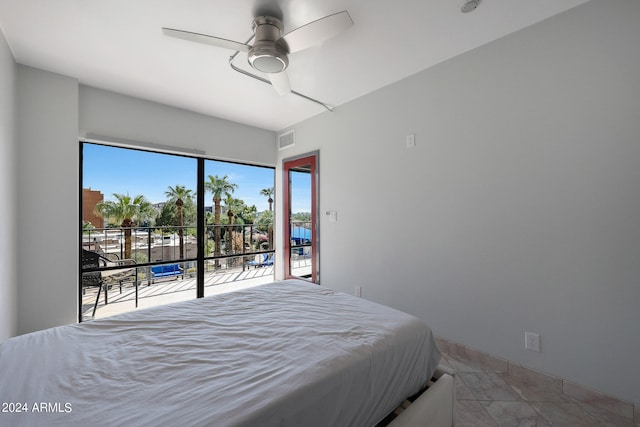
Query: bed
287,353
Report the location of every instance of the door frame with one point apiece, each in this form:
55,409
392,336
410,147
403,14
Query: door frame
307,159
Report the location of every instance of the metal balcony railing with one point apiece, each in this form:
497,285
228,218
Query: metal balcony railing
226,246
171,251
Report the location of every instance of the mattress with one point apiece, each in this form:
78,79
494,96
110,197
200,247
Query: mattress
287,353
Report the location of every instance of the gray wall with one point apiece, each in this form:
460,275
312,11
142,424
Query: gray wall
8,189
53,111
518,209
114,115
47,199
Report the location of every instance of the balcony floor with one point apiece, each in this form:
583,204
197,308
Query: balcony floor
166,291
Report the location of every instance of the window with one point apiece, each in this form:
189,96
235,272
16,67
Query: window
143,223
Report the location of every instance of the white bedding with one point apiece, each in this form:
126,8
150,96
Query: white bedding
283,354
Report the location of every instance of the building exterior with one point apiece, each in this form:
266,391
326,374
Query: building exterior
90,198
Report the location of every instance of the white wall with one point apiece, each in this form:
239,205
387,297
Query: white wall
518,209
47,199
8,189
110,114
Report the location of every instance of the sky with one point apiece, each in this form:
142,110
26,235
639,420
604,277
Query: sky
121,170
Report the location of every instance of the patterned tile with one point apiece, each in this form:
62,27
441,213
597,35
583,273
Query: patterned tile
489,362
462,391
474,361
536,378
445,361
470,360
593,398
606,418
450,347
565,414
488,386
461,364
490,395
470,413
532,391
510,414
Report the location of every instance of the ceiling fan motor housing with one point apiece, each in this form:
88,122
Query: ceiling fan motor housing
269,53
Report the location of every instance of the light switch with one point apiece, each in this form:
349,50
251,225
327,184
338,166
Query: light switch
411,140
333,216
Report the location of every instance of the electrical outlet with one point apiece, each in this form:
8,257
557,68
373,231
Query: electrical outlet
532,341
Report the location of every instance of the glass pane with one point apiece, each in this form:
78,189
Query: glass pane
139,207
239,226
301,230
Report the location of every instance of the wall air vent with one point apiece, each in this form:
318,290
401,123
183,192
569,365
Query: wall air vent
286,140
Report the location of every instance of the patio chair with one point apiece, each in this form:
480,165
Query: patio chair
109,277
93,278
268,261
119,276
258,262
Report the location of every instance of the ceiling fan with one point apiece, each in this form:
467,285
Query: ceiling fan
270,50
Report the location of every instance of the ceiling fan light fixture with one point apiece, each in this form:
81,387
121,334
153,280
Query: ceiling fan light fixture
268,54
267,28
268,59
270,49
469,6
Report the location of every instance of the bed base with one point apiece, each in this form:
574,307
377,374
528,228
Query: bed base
435,407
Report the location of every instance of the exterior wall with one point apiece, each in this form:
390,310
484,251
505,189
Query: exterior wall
90,198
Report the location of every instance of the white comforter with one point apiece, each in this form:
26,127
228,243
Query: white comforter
284,354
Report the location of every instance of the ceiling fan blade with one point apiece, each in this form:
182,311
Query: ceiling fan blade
280,82
316,32
206,39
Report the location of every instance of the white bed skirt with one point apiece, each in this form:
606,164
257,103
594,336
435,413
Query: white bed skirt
435,407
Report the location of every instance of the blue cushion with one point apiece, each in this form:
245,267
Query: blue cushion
166,270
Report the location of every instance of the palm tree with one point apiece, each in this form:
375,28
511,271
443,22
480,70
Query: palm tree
126,211
268,192
218,186
178,195
238,214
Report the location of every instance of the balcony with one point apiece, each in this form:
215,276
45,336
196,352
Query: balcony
244,258
168,290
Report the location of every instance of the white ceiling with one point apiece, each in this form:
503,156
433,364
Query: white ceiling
118,45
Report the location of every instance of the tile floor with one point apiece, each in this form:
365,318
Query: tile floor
491,392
